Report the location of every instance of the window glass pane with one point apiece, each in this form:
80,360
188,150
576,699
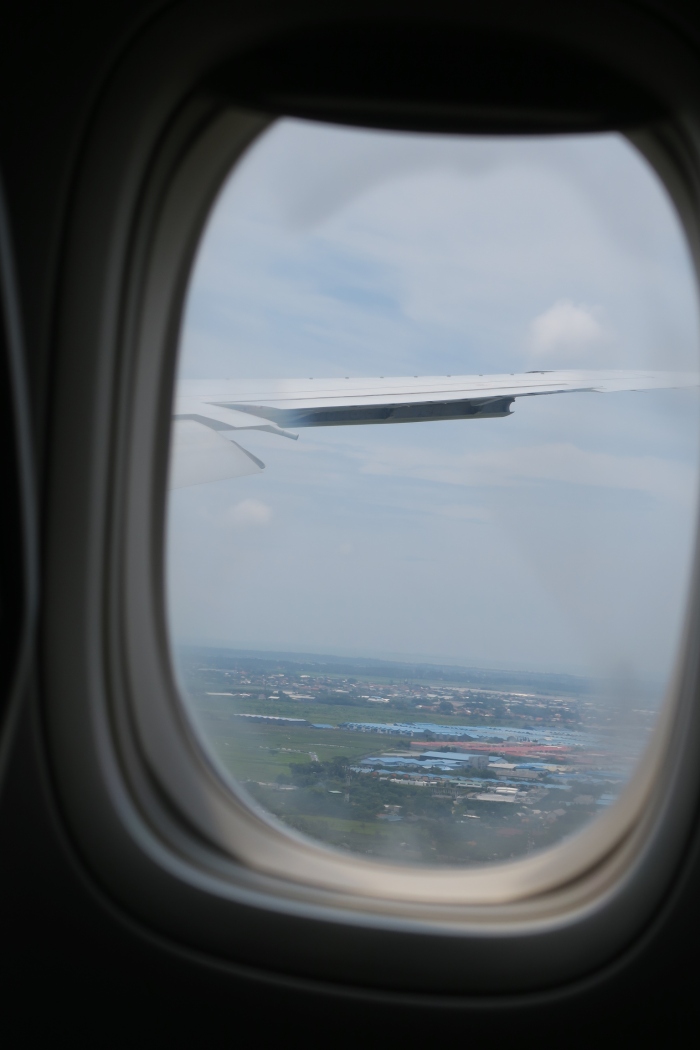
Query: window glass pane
446,640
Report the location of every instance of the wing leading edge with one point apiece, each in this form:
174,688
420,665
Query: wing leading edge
209,412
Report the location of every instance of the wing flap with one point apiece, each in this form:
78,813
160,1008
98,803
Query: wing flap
358,414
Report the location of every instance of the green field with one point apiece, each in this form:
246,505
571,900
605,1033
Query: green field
262,751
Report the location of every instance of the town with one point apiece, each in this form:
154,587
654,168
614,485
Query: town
424,764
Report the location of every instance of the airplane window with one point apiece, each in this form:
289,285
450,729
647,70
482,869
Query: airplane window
433,484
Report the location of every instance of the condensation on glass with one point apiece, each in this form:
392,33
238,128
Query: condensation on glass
433,484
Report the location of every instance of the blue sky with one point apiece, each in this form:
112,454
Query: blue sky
557,539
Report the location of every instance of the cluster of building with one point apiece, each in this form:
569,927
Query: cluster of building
426,697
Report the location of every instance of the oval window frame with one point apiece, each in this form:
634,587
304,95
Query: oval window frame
157,828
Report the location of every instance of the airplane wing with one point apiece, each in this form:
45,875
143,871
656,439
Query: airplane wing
208,413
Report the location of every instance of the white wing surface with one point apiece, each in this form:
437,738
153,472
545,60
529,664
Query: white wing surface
227,406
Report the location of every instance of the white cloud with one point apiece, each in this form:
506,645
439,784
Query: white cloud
249,512
565,329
